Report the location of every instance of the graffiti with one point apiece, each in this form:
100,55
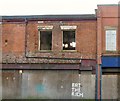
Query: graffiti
76,90
40,88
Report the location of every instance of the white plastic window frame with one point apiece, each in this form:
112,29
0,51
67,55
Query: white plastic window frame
111,39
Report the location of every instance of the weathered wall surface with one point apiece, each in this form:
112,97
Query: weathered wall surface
13,38
85,33
118,86
16,34
10,84
110,86
48,84
107,17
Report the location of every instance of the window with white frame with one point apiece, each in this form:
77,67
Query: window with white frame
110,39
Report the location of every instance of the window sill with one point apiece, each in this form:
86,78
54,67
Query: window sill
111,53
44,51
69,51
51,51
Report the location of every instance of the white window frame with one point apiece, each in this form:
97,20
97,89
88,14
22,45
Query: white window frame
111,39
68,27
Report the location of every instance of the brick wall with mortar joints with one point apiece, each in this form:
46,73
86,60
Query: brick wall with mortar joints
14,50
108,16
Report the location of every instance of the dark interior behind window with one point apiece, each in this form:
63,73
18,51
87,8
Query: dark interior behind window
69,40
45,40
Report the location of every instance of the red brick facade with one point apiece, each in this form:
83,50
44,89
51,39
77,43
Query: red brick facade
19,37
107,17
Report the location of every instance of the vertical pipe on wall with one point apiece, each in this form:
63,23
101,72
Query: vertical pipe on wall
26,37
1,58
99,52
119,48
96,90
100,83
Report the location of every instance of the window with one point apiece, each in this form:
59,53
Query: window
111,40
69,37
45,40
69,40
45,37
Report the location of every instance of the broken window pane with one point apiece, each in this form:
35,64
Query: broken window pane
45,40
69,40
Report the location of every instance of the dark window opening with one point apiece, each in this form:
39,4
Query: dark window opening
69,40
45,40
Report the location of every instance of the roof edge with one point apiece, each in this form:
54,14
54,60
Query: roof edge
107,4
69,17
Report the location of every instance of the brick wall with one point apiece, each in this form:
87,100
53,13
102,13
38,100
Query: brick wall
13,41
107,16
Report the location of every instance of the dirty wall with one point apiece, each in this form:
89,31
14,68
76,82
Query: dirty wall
57,84
48,84
111,86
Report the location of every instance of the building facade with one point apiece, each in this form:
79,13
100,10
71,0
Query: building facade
56,56
108,49
37,49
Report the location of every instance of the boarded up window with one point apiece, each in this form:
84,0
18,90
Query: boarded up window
69,40
111,40
45,40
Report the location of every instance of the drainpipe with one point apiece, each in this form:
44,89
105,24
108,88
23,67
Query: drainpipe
26,37
98,83
96,90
